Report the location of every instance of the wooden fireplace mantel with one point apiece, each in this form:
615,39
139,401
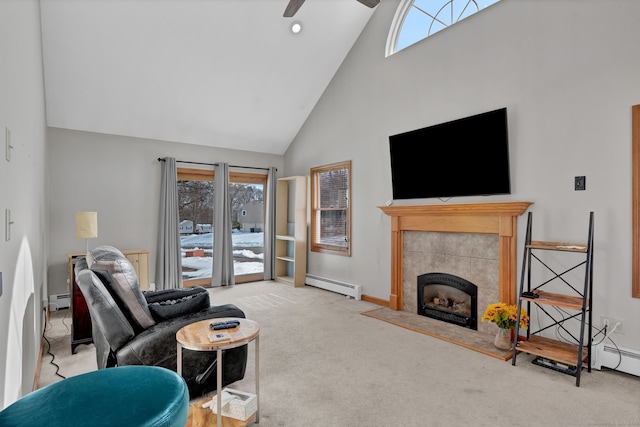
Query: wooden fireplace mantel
485,218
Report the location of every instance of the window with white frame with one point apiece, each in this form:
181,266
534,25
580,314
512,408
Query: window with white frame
331,208
418,19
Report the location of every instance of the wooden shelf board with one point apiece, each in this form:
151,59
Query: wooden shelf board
285,237
558,246
285,279
559,300
552,349
286,258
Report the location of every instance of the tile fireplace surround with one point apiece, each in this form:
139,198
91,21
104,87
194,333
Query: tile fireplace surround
490,226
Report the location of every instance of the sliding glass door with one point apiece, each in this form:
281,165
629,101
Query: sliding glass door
196,191
247,211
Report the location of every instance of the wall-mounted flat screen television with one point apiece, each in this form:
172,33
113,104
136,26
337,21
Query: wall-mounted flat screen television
463,157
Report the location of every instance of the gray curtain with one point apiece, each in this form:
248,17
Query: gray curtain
222,244
169,255
270,226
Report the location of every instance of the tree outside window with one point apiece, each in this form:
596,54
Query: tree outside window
196,191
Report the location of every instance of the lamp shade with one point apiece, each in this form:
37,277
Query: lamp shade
87,225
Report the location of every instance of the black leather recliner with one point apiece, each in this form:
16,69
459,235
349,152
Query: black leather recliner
131,327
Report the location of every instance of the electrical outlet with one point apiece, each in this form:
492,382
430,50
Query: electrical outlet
580,183
610,322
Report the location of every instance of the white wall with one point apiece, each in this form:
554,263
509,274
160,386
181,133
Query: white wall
568,73
118,177
22,190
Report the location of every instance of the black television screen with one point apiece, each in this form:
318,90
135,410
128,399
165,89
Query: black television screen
464,157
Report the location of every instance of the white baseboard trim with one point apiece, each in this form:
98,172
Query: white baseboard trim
349,289
59,301
621,359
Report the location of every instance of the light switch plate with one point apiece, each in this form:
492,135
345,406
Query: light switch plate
7,140
7,224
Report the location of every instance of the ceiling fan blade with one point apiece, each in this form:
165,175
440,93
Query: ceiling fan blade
292,8
370,3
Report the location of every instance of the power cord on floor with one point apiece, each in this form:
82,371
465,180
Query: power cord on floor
619,356
66,316
606,336
53,357
62,321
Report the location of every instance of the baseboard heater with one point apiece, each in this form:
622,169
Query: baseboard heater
622,359
59,301
348,289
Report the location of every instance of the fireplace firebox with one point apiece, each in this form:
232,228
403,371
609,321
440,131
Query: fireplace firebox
448,298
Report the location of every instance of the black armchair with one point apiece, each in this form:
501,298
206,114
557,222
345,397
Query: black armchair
131,327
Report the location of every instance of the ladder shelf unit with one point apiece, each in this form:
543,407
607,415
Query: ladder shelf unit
567,357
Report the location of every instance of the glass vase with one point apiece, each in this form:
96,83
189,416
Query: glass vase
503,339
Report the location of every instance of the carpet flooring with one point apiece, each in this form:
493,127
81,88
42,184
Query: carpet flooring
323,363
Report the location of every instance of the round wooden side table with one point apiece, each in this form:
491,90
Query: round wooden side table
195,336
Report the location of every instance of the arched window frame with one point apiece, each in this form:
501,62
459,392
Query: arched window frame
398,23
396,26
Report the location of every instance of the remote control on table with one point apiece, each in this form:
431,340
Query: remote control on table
224,325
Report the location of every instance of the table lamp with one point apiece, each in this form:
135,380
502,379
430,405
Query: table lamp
87,226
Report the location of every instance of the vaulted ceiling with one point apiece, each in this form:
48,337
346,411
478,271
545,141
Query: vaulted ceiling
221,73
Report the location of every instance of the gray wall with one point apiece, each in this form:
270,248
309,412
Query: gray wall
22,190
118,177
568,73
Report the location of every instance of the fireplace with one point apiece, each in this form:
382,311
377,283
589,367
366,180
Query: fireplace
452,238
448,298
496,218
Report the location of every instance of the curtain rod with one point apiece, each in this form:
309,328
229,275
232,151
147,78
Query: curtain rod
160,159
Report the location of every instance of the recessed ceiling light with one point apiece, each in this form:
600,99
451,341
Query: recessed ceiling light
296,27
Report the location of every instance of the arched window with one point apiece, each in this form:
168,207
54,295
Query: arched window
418,19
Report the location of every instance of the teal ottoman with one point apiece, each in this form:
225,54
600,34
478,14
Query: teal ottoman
122,396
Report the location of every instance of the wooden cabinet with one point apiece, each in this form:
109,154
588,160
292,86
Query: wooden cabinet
140,262
80,318
574,304
291,230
